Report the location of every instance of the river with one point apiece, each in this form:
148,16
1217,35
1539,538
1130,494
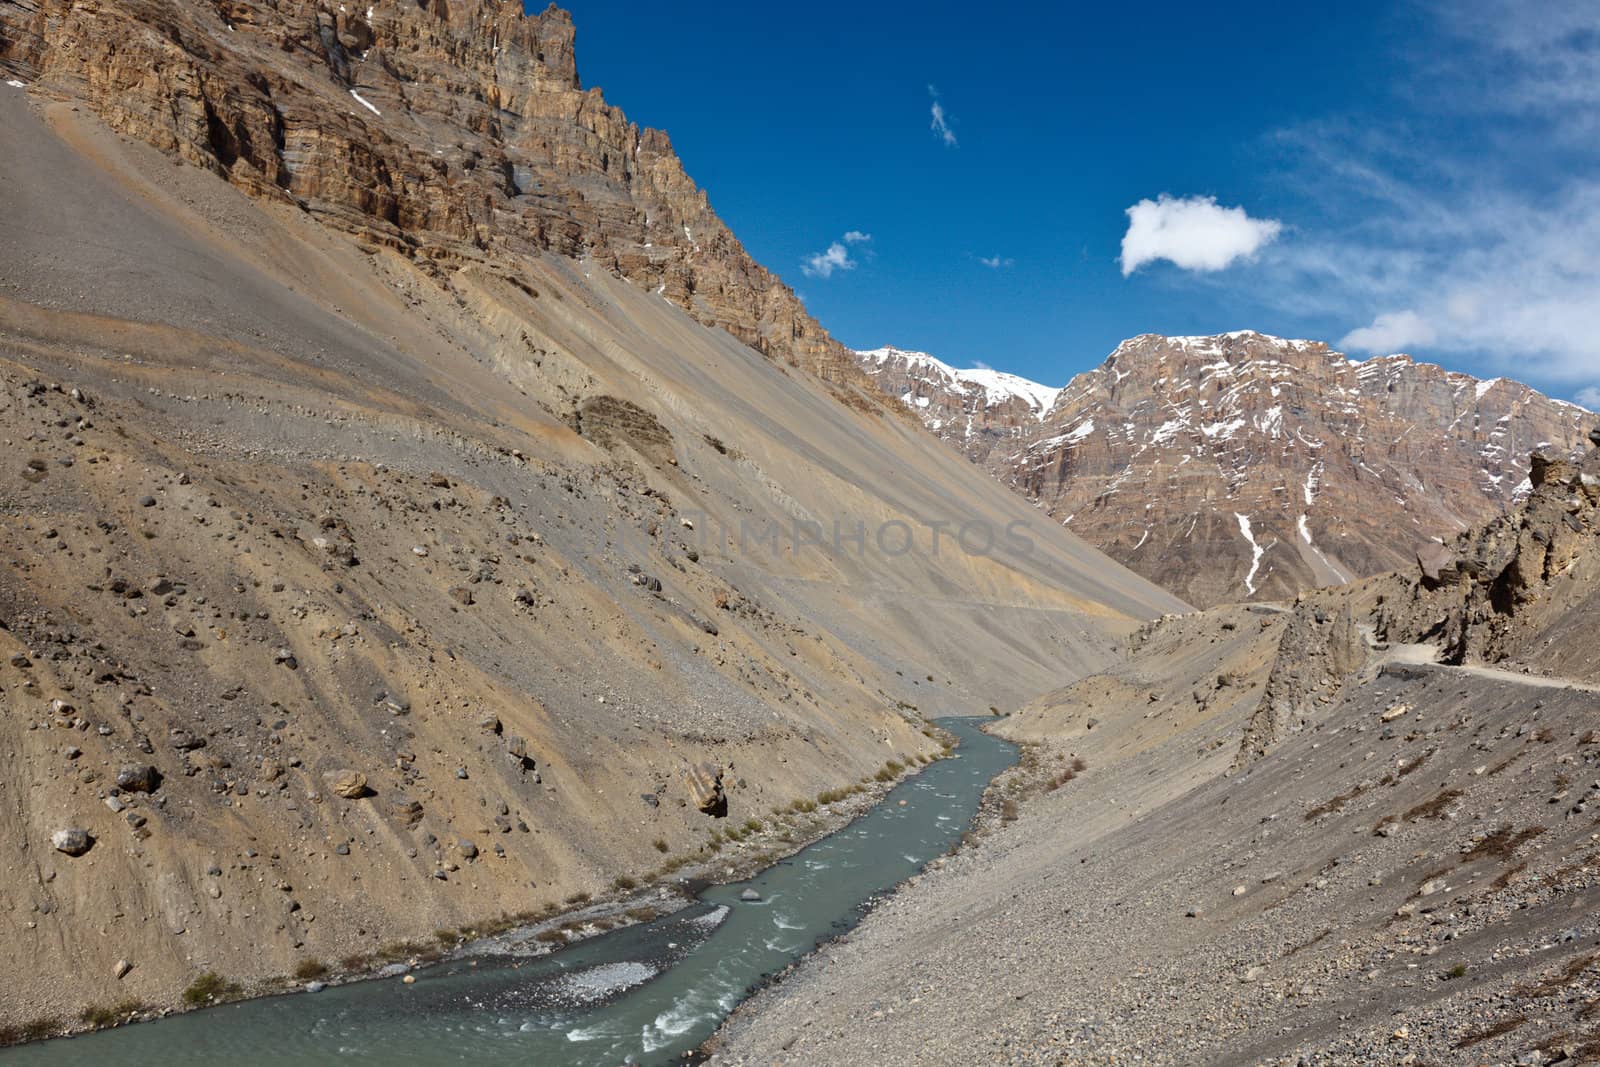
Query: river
643,994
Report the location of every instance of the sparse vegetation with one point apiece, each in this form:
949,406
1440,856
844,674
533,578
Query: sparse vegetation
309,968
101,1016
1434,807
210,987
623,883
1337,803
661,845
1493,1030
32,1030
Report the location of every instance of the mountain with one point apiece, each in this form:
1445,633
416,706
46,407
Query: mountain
421,514
1244,466
977,409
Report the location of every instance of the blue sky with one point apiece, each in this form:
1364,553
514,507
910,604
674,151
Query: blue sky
1416,176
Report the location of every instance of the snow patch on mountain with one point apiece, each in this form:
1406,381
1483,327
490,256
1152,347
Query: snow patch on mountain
995,385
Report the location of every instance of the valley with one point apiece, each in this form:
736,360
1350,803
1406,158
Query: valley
456,605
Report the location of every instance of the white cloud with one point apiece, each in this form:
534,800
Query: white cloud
941,125
835,257
996,262
1392,331
1589,398
1193,233
1469,224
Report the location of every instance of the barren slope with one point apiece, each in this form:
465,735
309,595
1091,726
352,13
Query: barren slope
279,506
1269,837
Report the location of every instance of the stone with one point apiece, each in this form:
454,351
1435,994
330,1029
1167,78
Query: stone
349,784
73,842
704,784
749,896
184,741
286,657
1436,562
517,749
138,778
120,969
315,987
461,594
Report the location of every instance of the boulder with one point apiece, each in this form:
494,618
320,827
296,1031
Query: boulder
517,747
349,784
1437,563
138,778
704,783
72,841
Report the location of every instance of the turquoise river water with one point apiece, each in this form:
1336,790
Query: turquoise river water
645,994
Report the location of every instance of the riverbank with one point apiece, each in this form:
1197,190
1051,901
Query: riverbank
1410,876
621,943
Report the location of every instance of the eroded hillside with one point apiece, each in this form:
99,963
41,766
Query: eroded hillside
361,579
1358,829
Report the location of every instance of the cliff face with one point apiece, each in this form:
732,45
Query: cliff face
1244,466
456,131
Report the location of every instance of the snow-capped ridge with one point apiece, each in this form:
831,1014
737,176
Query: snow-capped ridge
997,385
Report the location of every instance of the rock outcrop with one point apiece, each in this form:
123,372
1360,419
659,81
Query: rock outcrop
1248,467
453,132
1522,583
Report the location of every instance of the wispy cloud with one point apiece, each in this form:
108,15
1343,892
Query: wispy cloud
1589,398
836,257
1471,228
941,122
997,262
1194,233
